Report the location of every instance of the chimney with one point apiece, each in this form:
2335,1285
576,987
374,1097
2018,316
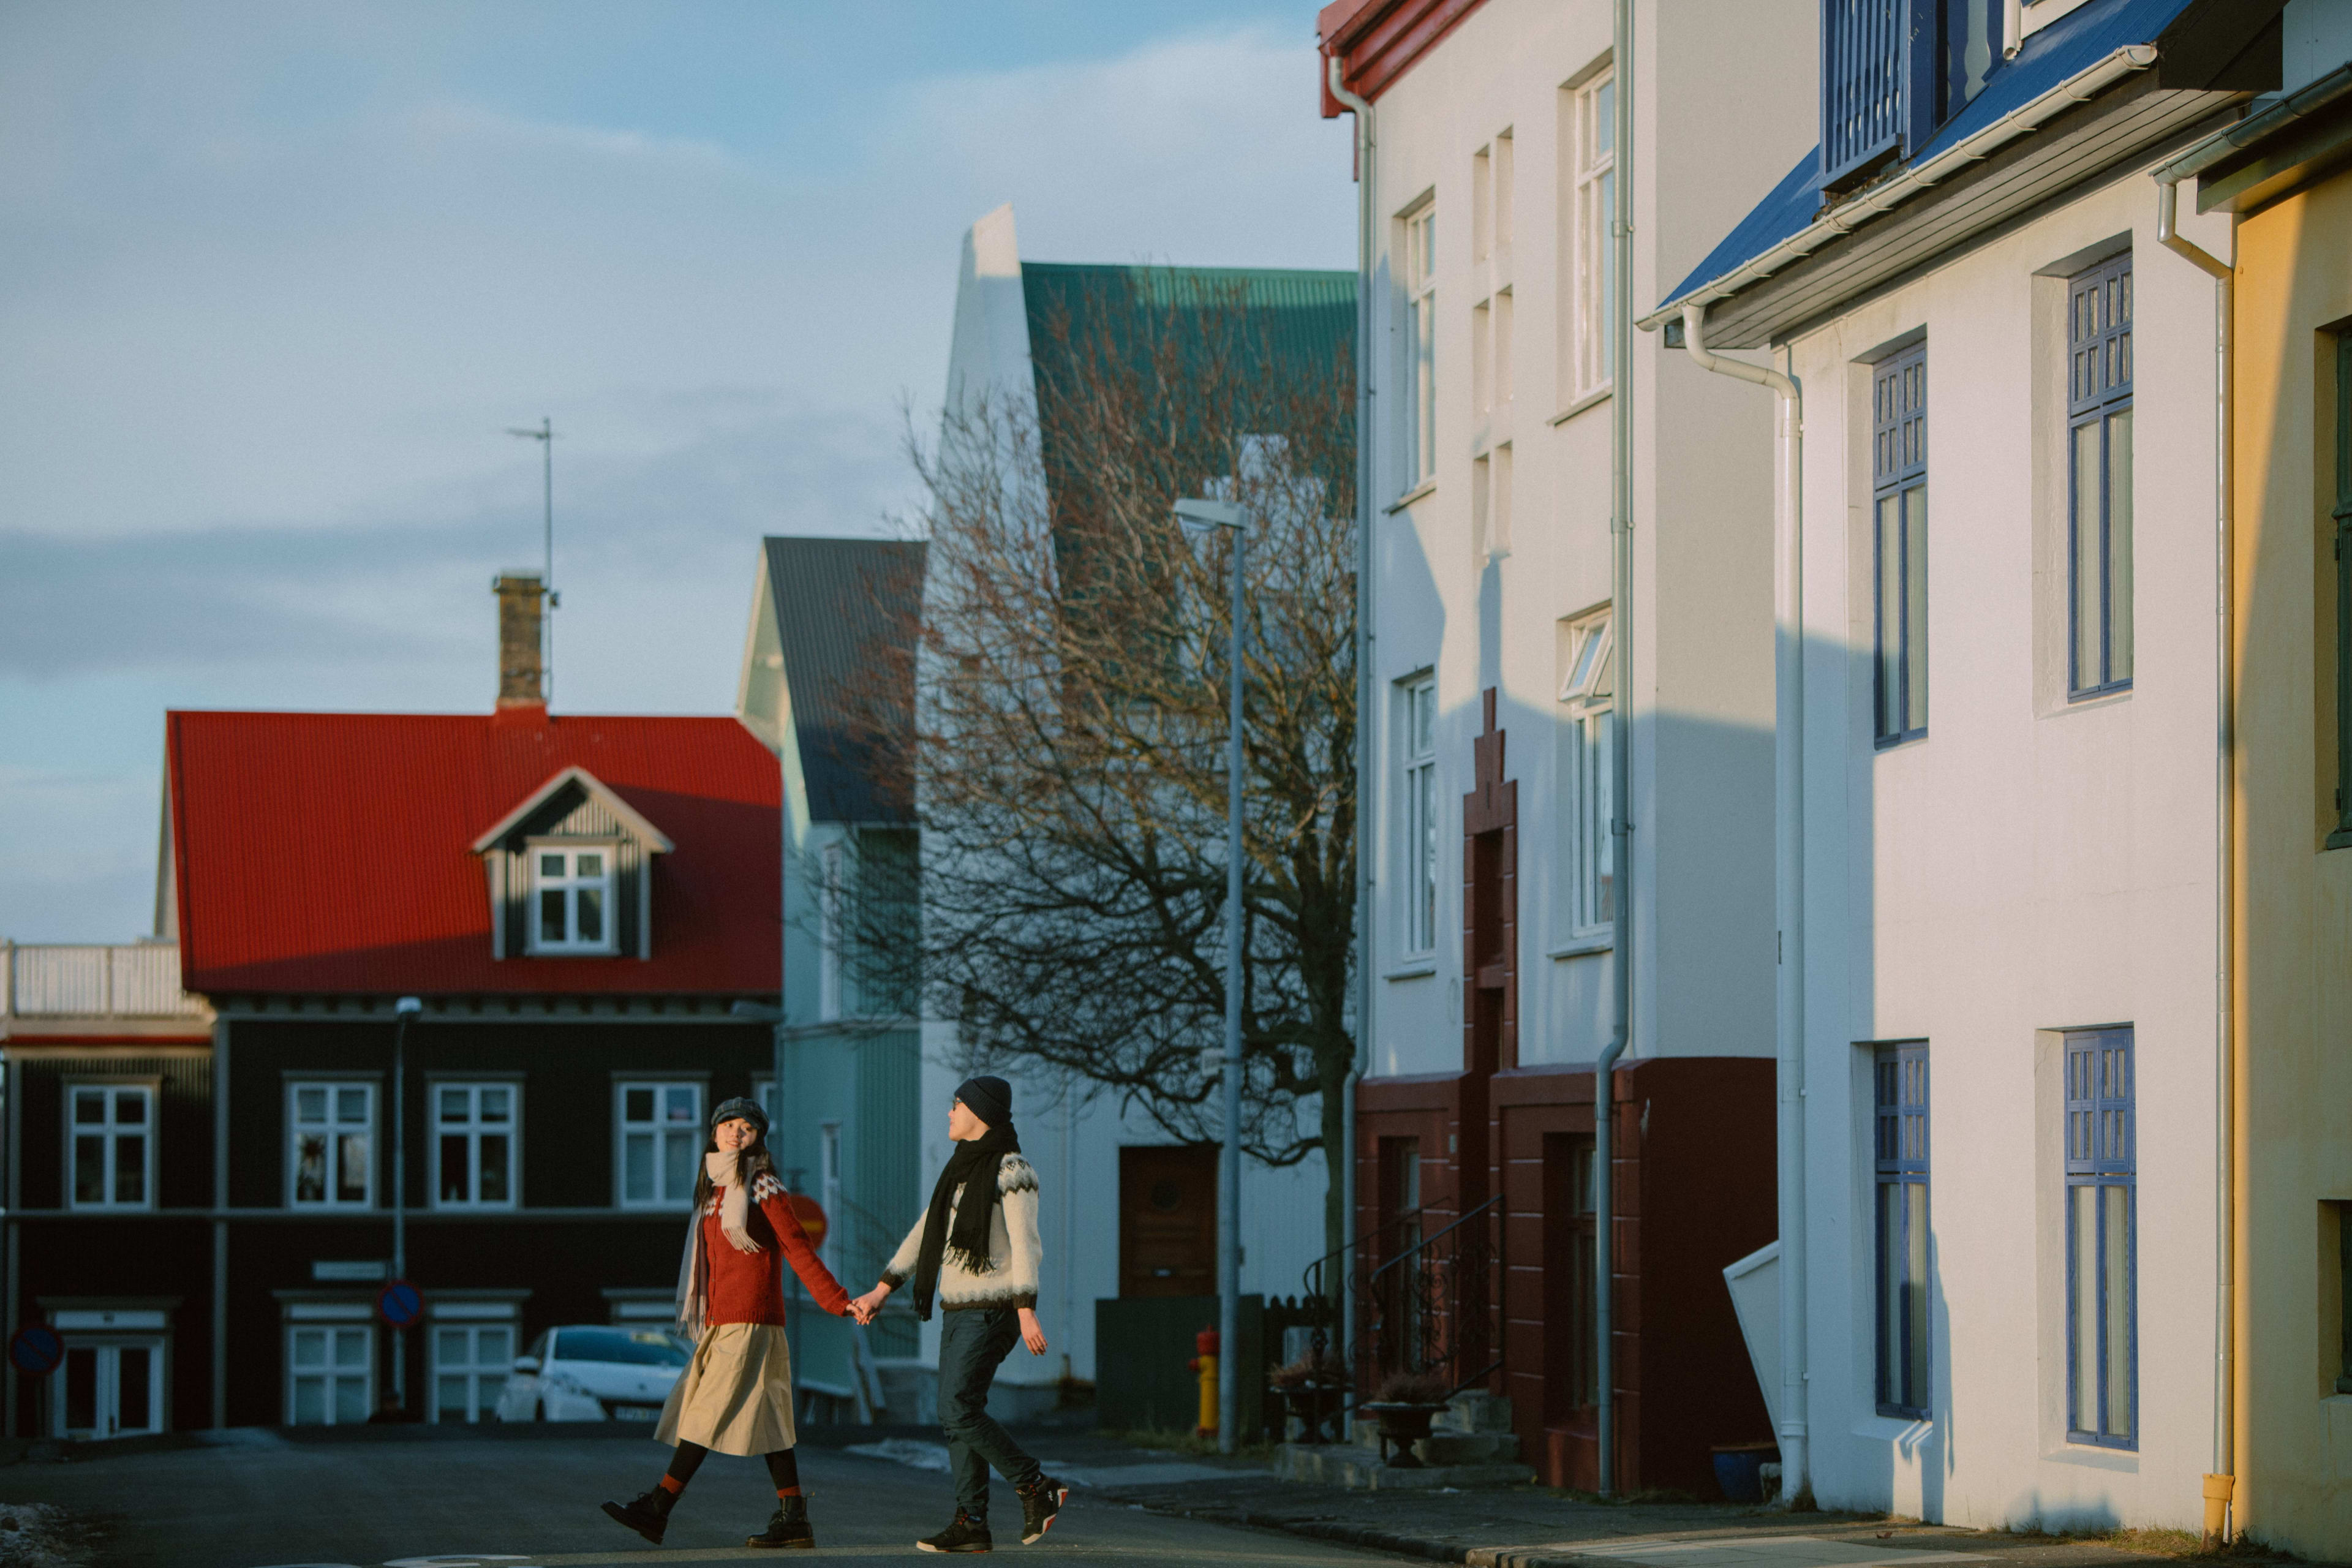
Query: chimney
522,674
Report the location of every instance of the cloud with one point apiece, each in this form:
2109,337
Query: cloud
276,279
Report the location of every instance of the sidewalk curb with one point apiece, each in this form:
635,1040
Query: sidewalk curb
1373,1538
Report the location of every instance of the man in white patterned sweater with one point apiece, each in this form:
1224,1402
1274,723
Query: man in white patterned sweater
976,1246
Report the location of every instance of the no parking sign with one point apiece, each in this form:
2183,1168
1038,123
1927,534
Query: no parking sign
36,1350
400,1304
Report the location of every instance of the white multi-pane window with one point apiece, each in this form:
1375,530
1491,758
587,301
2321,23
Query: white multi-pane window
1588,770
476,1130
1417,794
828,1169
1420,274
471,1363
572,898
110,1146
331,1158
329,1373
829,894
661,1142
1591,161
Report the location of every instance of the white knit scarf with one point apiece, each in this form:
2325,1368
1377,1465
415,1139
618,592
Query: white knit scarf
734,1200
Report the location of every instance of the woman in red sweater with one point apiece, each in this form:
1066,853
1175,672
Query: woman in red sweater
736,1394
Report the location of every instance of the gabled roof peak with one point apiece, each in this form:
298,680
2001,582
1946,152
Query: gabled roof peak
655,841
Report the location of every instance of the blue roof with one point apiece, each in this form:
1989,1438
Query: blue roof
2070,45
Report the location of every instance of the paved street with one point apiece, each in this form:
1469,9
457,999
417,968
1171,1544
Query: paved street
417,1498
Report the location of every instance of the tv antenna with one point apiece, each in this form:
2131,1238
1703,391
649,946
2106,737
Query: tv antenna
545,437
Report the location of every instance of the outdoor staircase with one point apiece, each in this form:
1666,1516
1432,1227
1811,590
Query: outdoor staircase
1470,1443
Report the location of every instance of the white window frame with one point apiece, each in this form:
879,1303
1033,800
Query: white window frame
1592,166
1420,849
108,1132
831,873
1419,340
828,1170
1586,790
332,1329
335,1128
657,1130
571,884
473,1369
474,1128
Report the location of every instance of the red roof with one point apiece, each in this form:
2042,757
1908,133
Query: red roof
1376,41
328,852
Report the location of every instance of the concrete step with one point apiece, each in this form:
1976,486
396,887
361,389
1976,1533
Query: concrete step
1347,1465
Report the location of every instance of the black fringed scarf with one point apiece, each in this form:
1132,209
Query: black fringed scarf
974,1167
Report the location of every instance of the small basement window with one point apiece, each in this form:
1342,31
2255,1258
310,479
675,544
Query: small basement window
572,908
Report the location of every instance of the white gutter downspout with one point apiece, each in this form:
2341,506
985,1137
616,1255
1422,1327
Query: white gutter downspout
1620,734
1367,233
2221,1484
1789,884
2012,28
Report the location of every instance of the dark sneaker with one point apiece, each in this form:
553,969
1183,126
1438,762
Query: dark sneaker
789,1529
1040,1502
963,1535
647,1515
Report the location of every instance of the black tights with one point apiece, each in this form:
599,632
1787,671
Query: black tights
783,1466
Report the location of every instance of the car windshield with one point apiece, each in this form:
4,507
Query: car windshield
634,1347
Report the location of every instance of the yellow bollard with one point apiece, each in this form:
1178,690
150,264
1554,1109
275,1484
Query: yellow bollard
1205,1363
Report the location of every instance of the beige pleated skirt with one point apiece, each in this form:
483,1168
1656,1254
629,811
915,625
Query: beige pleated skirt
736,1395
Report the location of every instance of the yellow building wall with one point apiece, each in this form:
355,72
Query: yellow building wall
2294,939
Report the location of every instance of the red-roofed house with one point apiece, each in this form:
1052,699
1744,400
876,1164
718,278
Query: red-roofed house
577,903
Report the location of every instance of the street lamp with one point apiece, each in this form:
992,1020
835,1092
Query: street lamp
403,1013
1199,517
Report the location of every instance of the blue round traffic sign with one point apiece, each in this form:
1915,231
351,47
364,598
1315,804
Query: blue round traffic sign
400,1304
36,1350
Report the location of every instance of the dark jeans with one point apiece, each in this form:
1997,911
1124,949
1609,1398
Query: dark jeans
972,1343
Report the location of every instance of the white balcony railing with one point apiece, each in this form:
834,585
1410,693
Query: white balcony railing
124,980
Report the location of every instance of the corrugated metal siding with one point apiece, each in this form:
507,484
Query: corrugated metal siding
328,852
842,607
885,1181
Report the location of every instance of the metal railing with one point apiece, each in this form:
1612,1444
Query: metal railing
94,980
1433,1307
1862,84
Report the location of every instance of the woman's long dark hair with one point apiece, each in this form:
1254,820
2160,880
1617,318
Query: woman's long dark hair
751,1161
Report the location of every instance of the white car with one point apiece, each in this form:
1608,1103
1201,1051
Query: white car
594,1372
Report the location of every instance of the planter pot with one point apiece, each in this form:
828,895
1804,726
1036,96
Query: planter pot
1314,1405
1402,1426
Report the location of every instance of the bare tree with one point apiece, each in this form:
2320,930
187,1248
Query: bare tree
1066,743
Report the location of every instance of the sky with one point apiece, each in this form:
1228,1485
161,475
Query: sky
276,279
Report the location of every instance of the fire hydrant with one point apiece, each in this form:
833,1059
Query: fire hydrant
1205,1363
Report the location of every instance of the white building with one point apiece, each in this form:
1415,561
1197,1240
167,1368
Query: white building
1493,165
2005,905
1126,1212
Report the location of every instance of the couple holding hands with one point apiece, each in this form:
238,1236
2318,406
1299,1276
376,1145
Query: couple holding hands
976,1248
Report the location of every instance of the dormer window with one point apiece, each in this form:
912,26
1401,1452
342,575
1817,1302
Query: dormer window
570,873
572,898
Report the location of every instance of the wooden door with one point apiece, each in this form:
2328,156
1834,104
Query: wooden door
1168,1220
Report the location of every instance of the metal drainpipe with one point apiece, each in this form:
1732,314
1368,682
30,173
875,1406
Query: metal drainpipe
1621,727
2221,1484
1789,886
1367,221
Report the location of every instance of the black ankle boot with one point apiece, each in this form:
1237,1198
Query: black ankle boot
647,1515
789,1529
1041,1500
962,1535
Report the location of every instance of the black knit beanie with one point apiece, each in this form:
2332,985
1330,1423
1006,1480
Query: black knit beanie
990,1098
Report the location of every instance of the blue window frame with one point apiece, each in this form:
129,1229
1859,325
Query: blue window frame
1899,1075
2101,1260
1898,460
2099,477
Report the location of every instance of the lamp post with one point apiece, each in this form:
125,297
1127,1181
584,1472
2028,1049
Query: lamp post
402,1012
1199,517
